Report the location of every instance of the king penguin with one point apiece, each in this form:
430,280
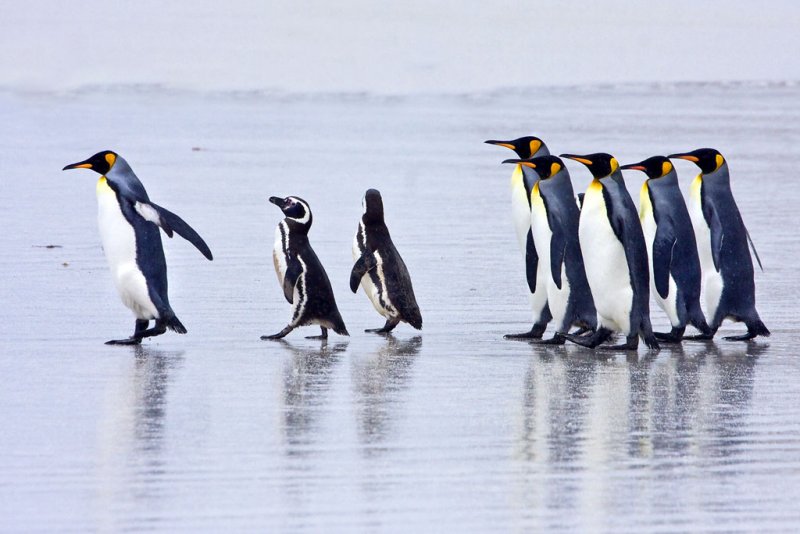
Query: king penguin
730,290
615,257
129,225
554,220
522,180
380,270
671,247
301,275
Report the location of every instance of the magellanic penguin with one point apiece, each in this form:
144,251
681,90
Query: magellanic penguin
730,290
380,270
304,281
615,256
129,225
671,247
554,220
522,180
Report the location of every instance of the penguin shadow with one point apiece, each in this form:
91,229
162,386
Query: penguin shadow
379,380
307,376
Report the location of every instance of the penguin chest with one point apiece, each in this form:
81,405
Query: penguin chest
280,251
378,293
712,280
542,236
649,228
119,245
520,208
605,261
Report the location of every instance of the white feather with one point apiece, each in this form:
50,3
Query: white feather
375,293
279,252
148,212
119,246
542,235
646,215
606,267
712,280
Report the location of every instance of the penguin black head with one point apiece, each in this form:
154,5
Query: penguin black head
294,208
599,164
373,206
655,167
708,159
101,163
525,147
545,166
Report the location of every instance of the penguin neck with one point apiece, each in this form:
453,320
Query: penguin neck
669,180
296,227
376,226
559,182
720,177
617,177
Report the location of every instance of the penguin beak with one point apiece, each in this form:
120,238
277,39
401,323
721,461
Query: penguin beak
500,143
277,201
80,165
687,157
633,167
521,162
579,159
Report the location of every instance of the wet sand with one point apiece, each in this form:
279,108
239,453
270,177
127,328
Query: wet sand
451,428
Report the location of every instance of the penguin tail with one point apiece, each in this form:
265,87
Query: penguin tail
416,320
338,326
174,324
758,328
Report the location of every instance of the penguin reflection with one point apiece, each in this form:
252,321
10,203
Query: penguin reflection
378,380
675,405
306,381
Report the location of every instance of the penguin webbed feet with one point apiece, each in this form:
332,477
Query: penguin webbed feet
754,328
385,329
536,332
673,336
557,339
129,341
279,335
323,334
591,341
141,331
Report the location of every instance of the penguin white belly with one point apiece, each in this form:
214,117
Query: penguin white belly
712,280
521,215
606,266
279,252
670,304
542,235
377,295
119,245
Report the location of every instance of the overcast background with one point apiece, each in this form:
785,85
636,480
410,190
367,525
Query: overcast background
393,47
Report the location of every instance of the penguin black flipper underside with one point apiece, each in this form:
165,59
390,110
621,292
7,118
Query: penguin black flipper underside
753,248
363,265
663,249
293,271
715,228
558,248
531,262
169,222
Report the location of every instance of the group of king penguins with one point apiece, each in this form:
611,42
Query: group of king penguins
129,231
591,261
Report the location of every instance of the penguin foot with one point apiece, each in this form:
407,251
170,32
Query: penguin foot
557,339
699,337
385,329
744,337
536,332
581,331
323,335
632,343
280,334
674,336
129,341
600,335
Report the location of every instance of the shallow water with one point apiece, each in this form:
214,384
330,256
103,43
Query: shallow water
452,428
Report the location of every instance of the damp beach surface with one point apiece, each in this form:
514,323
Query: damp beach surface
448,429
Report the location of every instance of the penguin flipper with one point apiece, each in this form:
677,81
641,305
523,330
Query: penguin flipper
753,248
531,262
363,265
558,249
169,222
663,249
293,271
717,235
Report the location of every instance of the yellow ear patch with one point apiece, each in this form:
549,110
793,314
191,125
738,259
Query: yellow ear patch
614,165
554,169
535,145
666,168
720,161
111,159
